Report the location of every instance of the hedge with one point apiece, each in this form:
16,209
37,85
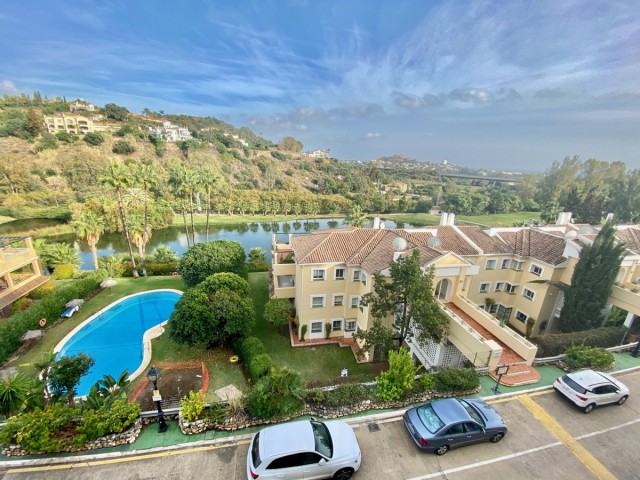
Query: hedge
153,268
50,308
557,343
456,380
258,266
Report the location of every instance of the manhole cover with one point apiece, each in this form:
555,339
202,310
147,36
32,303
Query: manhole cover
373,427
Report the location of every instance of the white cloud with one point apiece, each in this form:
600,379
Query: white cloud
7,87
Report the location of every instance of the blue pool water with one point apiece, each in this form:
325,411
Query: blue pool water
114,337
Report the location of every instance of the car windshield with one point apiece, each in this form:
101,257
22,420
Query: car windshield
324,445
473,413
429,418
571,383
255,451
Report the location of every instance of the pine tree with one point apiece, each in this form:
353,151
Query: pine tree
592,282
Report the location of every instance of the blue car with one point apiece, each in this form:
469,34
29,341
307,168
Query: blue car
453,422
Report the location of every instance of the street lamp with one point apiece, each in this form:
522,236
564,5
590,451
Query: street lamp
152,375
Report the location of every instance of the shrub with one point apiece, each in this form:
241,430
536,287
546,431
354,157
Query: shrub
216,412
260,365
396,382
349,394
250,348
93,139
65,137
192,405
556,344
456,380
205,259
258,266
107,419
278,311
20,305
588,357
43,290
278,394
327,329
303,331
427,383
64,271
123,147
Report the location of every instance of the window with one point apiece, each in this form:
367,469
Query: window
356,275
499,286
510,288
317,275
339,274
338,300
530,294
354,302
516,265
493,308
521,316
350,326
490,265
363,277
536,270
336,325
484,287
506,263
317,301
316,327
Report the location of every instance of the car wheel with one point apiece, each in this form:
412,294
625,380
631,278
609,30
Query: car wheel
442,450
589,407
343,474
622,400
496,438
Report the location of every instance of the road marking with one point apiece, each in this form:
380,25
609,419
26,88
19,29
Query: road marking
486,462
598,469
607,430
133,458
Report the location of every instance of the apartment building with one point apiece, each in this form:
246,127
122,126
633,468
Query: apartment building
20,269
171,133
498,286
74,124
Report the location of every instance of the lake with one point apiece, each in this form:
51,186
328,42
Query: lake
250,235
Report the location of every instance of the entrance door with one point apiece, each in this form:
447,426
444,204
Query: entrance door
442,289
316,329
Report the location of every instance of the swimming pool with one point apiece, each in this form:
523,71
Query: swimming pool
115,336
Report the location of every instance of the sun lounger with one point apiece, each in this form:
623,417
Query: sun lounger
70,311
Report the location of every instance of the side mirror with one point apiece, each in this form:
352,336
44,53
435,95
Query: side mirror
322,461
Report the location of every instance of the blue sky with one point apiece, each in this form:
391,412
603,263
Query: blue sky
508,85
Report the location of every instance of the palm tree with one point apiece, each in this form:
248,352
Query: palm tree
192,183
147,176
14,393
177,181
356,217
117,177
106,391
89,227
209,179
42,367
140,237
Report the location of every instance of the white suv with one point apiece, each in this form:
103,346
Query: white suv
309,449
589,389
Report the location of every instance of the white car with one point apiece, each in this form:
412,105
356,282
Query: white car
589,389
304,450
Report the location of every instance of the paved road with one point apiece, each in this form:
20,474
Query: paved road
548,439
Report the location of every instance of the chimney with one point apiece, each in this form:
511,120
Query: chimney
564,218
376,222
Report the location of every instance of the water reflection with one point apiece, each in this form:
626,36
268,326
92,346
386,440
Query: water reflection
250,235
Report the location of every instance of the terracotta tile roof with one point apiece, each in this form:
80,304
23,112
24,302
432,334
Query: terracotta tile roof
488,243
372,249
530,242
451,240
631,237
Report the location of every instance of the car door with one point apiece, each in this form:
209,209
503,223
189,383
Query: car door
287,467
455,436
606,394
316,466
473,432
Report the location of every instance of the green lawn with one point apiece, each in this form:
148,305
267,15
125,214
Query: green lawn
322,362
497,220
